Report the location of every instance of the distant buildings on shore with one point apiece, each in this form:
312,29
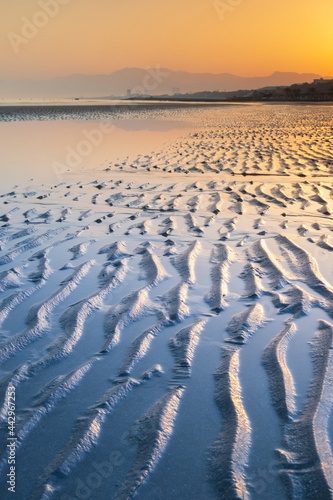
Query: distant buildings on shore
320,89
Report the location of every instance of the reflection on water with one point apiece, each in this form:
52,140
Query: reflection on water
30,149
89,136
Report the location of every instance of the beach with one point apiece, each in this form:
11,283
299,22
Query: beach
166,303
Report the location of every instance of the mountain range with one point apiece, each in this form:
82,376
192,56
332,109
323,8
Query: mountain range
152,81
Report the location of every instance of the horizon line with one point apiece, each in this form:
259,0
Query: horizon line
163,68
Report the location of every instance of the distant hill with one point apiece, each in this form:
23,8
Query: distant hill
138,81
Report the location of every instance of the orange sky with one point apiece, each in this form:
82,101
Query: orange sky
244,37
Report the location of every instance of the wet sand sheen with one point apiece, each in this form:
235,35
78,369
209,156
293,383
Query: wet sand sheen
187,250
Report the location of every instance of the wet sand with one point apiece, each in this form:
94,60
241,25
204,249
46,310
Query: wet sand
167,319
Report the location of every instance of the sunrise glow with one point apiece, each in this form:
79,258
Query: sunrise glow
243,37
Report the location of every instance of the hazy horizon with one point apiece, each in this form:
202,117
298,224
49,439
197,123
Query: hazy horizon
69,75
139,81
